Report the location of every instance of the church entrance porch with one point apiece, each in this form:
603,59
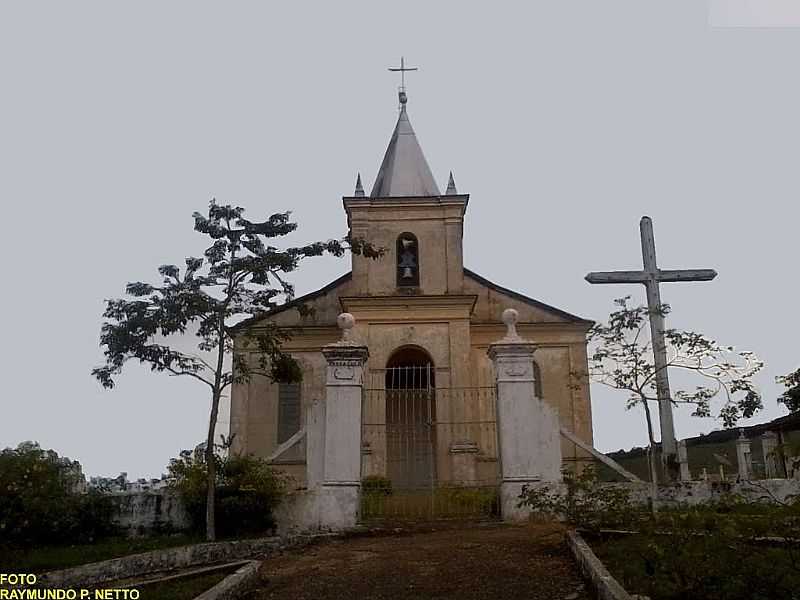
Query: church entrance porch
428,452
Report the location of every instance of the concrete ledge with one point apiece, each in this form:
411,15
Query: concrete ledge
605,586
168,559
234,585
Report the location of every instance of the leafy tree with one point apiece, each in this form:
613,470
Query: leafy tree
791,396
247,490
41,500
622,358
241,275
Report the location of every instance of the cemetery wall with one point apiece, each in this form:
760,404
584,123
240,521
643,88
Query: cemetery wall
141,513
144,513
717,450
699,492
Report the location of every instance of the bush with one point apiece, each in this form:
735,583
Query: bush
376,485
584,502
466,500
247,491
40,502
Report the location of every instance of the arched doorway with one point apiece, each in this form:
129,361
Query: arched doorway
410,418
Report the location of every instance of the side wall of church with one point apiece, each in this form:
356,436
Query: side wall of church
254,405
560,356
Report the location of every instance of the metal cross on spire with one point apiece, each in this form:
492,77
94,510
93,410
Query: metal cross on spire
651,276
402,69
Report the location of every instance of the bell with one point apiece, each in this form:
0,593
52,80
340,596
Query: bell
407,274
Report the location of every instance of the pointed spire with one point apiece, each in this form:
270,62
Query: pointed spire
359,193
451,186
404,170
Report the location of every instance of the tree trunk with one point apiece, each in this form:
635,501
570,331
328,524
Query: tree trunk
211,465
651,459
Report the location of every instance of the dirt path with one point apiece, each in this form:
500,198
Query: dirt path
467,563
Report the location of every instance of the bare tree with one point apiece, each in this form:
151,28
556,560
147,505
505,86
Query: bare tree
621,357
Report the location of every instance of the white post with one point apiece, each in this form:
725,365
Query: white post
683,461
743,456
527,427
769,445
341,477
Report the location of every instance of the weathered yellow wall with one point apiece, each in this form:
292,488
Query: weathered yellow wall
454,316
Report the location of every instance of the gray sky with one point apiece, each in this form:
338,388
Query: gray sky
566,121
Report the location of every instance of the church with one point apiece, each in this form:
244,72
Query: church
428,414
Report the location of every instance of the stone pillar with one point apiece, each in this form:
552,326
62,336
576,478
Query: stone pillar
769,446
743,456
683,461
341,465
527,427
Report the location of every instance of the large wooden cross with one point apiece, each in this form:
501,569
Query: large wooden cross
651,276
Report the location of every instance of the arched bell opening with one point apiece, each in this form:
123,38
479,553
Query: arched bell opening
407,260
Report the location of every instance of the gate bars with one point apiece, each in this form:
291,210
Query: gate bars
427,452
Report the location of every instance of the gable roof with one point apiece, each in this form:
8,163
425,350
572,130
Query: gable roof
295,302
349,275
526,299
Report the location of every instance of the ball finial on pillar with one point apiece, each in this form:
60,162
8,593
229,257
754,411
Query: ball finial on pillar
510,318
346,321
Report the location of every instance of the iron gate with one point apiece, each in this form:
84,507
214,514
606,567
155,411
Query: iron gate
427,452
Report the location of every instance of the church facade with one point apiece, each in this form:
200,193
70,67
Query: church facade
428,410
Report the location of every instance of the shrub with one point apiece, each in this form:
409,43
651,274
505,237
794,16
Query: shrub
40,501
377,485
466,500
583,501
248,490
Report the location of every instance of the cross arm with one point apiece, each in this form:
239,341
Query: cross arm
686,274
617,277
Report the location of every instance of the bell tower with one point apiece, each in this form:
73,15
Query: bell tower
405,213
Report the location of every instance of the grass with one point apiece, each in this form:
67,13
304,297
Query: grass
712,567
453,502
185,588
49,558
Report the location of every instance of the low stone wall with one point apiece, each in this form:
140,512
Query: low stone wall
235,585
141,513
604,584
164,560
700,492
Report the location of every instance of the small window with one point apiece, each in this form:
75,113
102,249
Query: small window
407,260
288,410
537,380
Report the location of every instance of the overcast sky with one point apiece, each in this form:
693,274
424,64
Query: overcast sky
565,121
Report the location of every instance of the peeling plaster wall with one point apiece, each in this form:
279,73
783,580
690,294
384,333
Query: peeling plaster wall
144,512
